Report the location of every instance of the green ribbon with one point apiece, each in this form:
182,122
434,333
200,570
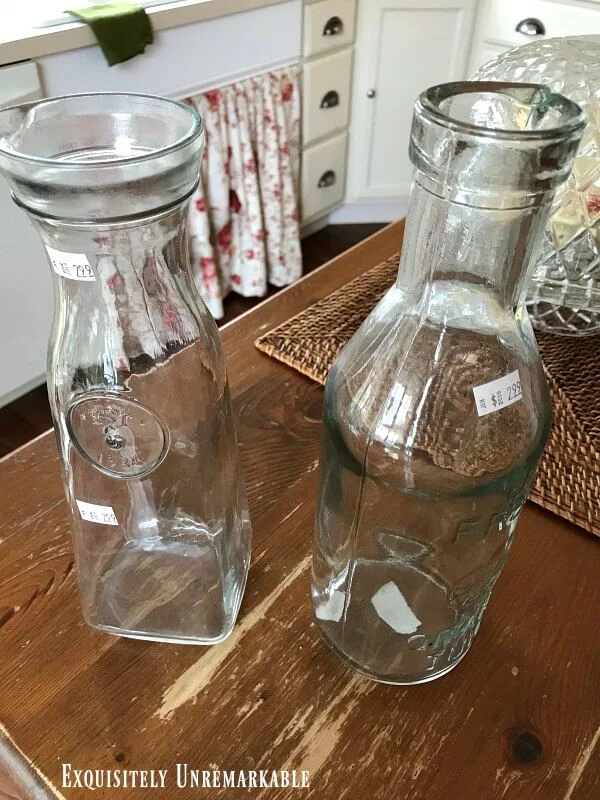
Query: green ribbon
122,29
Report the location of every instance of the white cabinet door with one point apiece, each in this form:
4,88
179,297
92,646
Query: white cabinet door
484,52
403,47
504,24
26,302
26,298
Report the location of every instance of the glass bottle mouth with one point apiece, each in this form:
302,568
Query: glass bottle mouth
103,128
494,145
91,157
502,110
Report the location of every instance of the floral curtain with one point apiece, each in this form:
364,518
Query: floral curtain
244,228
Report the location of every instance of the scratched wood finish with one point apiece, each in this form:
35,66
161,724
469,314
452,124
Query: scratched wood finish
517,719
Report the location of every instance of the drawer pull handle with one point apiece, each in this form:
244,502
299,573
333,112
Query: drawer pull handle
333,27
327,179
331,100
531,27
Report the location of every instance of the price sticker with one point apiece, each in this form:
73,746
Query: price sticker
103,515
498,394
71,265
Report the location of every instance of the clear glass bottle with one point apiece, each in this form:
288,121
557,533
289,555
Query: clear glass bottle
136,374
437,410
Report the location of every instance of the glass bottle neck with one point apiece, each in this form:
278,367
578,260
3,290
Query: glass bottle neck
490,248
111,254
134,297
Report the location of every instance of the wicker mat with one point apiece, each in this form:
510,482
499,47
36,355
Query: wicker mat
568,480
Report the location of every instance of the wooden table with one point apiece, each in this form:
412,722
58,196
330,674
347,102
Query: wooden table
518,718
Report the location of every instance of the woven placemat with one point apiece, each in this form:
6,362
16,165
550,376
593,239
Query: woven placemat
568,479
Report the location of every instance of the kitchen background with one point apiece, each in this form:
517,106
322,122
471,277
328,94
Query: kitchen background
358,65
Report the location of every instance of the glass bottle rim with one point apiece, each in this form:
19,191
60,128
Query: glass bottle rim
429,102
195,130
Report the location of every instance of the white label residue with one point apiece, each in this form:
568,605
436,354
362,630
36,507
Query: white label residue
392,608
103,515
493,396
71,265
333,608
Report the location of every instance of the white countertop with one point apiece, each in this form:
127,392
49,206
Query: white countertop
20,43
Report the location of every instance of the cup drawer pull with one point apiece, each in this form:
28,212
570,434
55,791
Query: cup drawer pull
531,27
330,100
327,179
333,27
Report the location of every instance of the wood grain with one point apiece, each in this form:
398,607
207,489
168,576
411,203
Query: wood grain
517,719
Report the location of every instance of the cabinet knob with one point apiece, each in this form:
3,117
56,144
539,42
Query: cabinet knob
371,93
333,27
330,100
531,27
326,179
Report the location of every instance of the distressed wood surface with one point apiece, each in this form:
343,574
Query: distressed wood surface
517,719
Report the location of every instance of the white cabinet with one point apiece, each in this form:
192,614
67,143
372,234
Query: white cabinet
328,24
484,52
26,302
504,24
327,47
403,46
26,299
323,178
326,95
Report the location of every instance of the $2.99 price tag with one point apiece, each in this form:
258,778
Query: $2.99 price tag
71,265
103,515
493,396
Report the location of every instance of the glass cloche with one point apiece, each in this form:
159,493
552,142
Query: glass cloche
564,294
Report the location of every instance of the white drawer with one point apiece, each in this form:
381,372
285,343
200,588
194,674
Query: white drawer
326,95
327,25
557,19
323,176
486,51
